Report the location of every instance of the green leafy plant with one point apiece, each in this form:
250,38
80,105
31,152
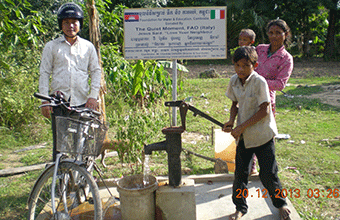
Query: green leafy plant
150,81
138,126
19,25
18,83
111,23
141,82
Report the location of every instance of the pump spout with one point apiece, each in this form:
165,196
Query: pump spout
155,147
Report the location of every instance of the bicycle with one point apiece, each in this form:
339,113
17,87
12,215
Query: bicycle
66,187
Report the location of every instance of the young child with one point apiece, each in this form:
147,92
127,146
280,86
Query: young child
247,38
254,131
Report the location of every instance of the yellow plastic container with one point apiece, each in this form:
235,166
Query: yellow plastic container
225,148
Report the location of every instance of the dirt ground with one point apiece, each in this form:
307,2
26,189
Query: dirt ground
311,68
301,69
331,95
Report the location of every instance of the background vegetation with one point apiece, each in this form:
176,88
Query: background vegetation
137,89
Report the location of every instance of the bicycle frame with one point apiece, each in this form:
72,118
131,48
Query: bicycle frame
78,159
73,184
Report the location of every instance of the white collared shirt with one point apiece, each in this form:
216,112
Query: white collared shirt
70,67
250,96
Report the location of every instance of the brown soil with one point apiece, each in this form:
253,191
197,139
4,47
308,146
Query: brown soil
302,69
331,95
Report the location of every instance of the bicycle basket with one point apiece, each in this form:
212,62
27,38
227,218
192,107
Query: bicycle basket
79,137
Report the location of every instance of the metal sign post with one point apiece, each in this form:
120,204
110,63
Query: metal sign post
174,91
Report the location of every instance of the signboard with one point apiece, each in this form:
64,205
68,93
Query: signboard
175,33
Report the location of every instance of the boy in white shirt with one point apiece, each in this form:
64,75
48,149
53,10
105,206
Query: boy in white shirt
254,132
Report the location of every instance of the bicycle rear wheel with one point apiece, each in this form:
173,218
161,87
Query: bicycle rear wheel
76,194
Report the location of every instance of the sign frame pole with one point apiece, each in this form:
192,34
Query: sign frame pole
174,91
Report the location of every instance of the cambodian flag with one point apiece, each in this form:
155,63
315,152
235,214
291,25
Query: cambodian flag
131,17
217,14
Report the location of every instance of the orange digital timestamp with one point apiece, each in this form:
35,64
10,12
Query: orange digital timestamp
328,193
291,193
279,193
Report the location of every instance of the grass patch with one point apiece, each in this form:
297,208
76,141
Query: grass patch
33,156
305,90
315,80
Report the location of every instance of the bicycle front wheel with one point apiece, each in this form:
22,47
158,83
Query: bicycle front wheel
76,194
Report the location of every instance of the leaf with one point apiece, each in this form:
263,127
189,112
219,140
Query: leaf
10,2
162,93
158,76
139,67
4,64
35,28
16,39
168,64
147,73
137,79
182,68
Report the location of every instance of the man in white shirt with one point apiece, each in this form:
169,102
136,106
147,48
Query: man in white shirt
70,61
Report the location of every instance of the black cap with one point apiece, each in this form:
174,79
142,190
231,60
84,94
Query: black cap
70,10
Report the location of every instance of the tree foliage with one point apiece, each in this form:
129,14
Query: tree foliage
333,28
143,82
302,17
194,3
308,20
18,28
111,23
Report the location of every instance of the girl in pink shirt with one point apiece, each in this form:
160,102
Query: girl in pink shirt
275,63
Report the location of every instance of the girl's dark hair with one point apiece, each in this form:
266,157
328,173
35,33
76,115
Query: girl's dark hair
283,25
245,52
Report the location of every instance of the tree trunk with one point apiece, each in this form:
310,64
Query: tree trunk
330,41
95,38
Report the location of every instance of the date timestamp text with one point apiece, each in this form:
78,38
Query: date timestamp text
291,193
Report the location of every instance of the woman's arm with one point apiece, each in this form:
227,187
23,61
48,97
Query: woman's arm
284,70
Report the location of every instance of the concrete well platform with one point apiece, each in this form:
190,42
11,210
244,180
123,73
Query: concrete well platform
213,199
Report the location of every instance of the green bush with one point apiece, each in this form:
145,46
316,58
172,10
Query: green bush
141,82
138,126
18,83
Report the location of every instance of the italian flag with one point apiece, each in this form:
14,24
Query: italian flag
217,14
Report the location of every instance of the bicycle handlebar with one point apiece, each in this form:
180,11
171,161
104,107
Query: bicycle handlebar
59,101
44,97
